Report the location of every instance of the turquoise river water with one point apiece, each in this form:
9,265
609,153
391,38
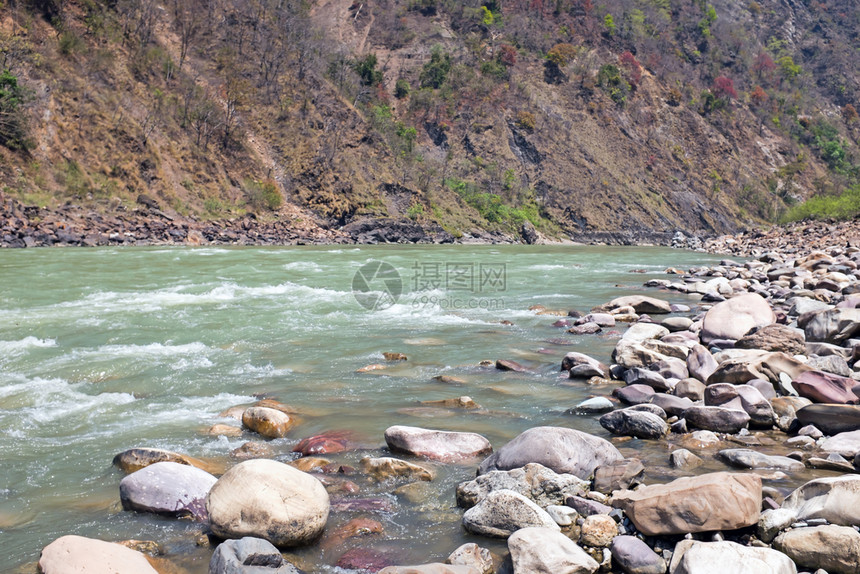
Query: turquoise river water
102,350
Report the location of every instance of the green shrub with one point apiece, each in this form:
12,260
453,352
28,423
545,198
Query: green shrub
70,43
494,69
401,89
844,206
434,72
526,120
263,194
366,70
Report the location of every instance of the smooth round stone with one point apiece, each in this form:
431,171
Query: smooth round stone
167,488
561,449
268,499
78,555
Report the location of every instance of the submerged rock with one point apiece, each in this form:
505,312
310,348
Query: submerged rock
384,468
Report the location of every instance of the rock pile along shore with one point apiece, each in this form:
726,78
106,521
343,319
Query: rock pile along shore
757,382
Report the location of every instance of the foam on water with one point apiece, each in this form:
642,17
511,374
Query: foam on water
303,266
40,401
260,371
17,348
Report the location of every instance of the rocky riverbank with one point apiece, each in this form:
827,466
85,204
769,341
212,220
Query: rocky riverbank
746,389
72,225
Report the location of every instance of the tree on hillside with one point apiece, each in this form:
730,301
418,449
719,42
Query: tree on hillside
13,127
557,58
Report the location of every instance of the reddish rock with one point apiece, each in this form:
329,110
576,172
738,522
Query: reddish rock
369,559
325,443
822,387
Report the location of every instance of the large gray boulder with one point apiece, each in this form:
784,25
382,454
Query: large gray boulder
543,551
249,556
439,445
832,325
167,488
561,449
78,555
694,557
735,317
715,501
836,549
502,512
636,423
834,498
268,499
717,419
536,482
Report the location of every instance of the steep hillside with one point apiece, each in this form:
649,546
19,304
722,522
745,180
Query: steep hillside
623,121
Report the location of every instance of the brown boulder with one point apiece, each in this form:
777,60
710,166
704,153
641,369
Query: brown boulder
716,501
267,422
776,337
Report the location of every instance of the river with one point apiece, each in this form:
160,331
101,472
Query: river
106,349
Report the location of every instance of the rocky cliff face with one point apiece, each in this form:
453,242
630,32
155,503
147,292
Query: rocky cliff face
620,123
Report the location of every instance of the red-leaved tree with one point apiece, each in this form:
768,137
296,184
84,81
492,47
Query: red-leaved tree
724,88
632,67
507,55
